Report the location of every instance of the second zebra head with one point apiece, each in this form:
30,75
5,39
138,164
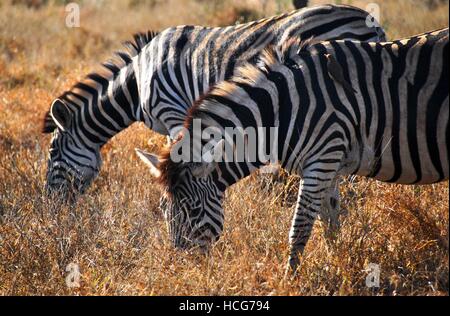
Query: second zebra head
72,164
192,200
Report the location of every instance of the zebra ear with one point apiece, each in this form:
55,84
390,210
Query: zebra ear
150,160
61,114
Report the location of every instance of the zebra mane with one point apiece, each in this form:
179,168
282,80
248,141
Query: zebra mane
269,58
249,73
168,168
109,70
275,55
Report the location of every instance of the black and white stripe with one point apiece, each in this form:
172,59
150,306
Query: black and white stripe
379,110
162,75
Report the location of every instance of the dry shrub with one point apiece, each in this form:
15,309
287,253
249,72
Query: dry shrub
116,234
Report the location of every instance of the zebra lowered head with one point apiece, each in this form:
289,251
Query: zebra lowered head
85,117
192,200
72,166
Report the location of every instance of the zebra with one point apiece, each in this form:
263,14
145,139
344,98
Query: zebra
161,75
379,110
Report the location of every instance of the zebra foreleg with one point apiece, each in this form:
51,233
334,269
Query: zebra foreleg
331,210
310,203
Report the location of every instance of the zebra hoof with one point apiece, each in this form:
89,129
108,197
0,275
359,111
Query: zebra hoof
292,268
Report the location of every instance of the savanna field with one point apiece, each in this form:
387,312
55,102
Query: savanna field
116,233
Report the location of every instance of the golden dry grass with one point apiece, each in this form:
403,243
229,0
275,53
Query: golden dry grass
116,234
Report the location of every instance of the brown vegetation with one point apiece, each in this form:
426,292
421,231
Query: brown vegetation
116,234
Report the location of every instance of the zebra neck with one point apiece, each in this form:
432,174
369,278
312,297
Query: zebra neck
109,107
258,138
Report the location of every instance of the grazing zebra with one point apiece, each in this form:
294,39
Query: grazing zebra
159,79
378,110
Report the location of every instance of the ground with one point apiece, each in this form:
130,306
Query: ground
116,235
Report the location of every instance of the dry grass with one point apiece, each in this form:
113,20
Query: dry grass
116,234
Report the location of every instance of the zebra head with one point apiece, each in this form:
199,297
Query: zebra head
71,165
192,200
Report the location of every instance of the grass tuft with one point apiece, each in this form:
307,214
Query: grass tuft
116,234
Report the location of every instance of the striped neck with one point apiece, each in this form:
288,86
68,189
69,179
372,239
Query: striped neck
242,107
107,101
104,105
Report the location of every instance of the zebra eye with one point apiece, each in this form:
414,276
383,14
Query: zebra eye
195,211
52,152
195,208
